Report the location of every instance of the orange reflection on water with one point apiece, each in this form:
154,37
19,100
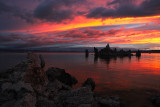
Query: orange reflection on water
114,73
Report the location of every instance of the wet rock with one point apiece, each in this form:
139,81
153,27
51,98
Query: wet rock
60,74
89,83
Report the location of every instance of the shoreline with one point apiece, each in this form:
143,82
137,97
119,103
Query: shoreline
20,76
28,85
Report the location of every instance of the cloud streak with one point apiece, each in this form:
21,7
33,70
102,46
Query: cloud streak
37,23
57,10
79,37
126,8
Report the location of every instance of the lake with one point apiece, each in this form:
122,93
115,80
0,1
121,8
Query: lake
109,74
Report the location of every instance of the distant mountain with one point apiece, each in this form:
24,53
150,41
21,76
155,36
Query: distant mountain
75,49
58,49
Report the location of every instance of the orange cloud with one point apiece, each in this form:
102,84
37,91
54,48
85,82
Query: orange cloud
81,21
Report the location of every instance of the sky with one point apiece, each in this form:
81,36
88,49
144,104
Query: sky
36,24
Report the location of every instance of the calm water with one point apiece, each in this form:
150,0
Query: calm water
120,73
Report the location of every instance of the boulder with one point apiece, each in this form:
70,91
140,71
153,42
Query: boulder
60,74
89,83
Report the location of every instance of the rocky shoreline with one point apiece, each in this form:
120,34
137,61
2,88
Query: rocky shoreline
29,85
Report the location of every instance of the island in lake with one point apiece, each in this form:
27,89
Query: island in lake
107,52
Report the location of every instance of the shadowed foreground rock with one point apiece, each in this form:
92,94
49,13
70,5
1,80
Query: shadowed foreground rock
61,75
89,83
28,85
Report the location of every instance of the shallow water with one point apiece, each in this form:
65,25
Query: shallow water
114,74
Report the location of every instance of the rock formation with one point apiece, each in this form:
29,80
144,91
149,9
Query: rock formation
86,53
28,85
138,53
107,52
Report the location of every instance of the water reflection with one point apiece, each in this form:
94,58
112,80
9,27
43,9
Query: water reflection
95,59
110,73
138,58
114,59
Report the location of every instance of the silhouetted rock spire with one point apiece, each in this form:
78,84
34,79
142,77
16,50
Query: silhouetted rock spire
138,53
95,51
42,61
107,52
86,52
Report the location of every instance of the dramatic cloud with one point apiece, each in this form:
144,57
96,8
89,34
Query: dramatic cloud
90,33
127,8
58,23
57,10
75,37
79,37
28,41
4,8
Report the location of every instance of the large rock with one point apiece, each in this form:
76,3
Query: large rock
89,83
75,98
60,74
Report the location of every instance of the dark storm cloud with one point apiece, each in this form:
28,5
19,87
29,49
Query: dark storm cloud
122,1
56,10
4,8
127,8
30,41
10,11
